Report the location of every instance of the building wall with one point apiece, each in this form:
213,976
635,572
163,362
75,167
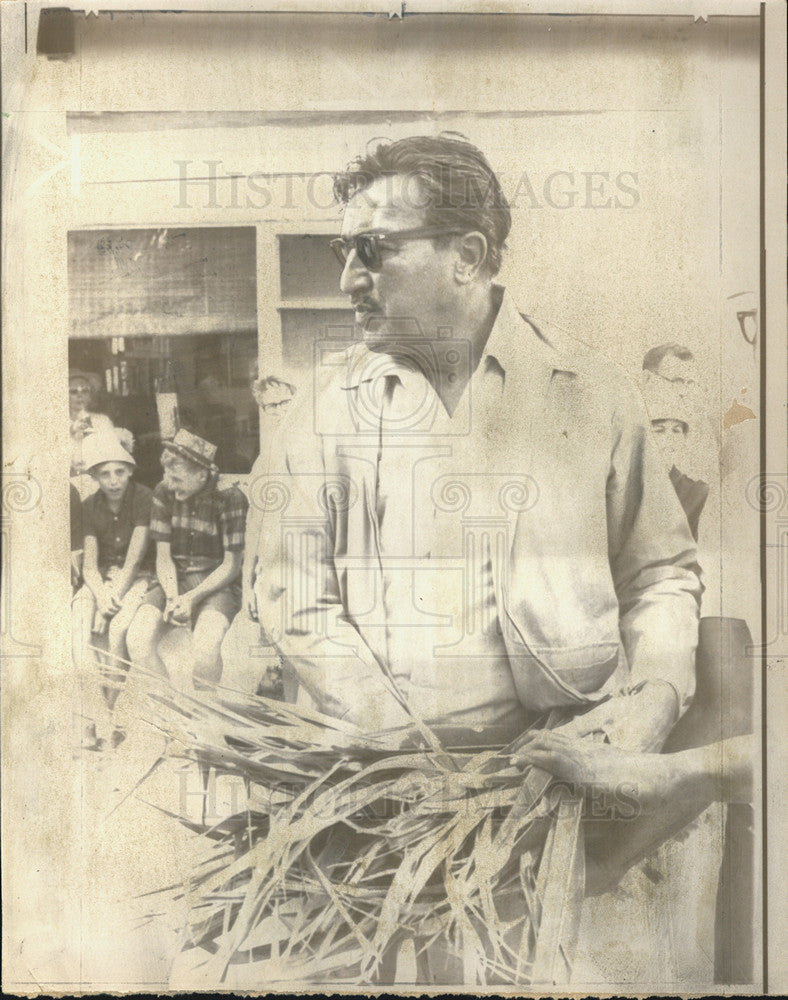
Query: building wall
669,101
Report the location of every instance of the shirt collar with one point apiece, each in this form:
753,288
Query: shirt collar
364,365
514,341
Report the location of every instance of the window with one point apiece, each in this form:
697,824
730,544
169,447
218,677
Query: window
311,307
157,305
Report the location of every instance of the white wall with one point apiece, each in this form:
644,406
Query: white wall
672,100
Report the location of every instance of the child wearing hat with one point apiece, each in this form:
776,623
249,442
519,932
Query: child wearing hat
199,530
116,568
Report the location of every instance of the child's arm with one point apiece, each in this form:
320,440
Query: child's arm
76,566
233,522
223,575
93,579
138,546
165,571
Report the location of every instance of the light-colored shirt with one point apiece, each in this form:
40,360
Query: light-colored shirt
521,555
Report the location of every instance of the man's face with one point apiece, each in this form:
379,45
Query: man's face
113,478
79,395
274,401
184,479
414,293
672,441
681,373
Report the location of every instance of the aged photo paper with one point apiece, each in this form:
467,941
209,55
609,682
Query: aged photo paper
394,498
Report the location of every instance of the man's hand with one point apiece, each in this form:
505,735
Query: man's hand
605,771
639,721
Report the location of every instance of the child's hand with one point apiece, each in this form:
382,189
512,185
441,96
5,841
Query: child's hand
100,623
181,609
106,602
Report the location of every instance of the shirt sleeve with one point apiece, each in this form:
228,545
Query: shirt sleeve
298,590
141,508
88,519
161,514
653,558
257,478
77,530
233,520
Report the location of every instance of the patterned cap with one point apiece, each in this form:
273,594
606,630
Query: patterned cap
193,447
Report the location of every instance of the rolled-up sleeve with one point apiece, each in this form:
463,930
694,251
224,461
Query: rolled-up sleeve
232,519
653,558
161,514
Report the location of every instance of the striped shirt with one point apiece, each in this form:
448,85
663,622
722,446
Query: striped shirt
201,529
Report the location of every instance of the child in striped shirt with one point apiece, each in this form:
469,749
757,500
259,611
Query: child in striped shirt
199,529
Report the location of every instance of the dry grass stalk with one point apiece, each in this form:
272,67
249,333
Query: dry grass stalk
349,843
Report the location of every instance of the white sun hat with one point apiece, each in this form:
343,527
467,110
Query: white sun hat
104,446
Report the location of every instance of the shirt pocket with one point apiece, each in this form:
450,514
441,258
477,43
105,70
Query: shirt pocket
584,668
560,677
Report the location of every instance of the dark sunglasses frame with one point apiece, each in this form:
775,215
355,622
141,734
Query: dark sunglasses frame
369,245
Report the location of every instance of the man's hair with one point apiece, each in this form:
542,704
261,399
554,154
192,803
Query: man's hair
272,382
458,187
654,358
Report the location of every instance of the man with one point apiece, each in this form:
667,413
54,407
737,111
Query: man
467,518
467,523
273,395
670,422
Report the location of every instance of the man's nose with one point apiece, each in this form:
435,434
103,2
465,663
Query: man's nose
355,277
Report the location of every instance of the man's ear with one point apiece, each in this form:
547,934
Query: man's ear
472,255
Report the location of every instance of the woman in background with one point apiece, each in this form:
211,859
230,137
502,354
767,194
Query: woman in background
83,388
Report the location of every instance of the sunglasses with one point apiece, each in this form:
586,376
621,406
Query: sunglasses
368,246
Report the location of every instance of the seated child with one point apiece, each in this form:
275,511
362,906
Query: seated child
199,533
116,570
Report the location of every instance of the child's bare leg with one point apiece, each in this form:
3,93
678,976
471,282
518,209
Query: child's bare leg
83,610
143,637
118,629
209,631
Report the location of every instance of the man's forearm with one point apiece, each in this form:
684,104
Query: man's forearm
639,720
655,711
